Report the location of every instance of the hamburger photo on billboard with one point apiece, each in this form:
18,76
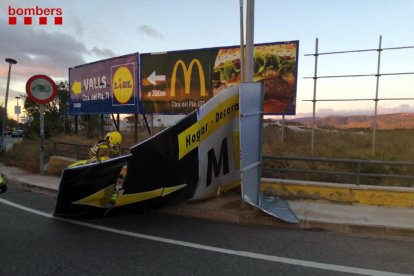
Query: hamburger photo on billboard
274,65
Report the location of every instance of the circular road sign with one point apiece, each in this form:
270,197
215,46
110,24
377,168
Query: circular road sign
41,89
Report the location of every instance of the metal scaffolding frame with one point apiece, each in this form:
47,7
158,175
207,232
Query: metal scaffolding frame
377,75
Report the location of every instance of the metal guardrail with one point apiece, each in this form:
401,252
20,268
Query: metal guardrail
357,173
77,151
354,169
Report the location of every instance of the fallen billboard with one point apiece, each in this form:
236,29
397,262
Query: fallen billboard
196,159
212,150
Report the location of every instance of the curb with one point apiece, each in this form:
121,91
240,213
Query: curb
235,210
340,193
25,185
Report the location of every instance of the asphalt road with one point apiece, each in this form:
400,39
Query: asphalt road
33,242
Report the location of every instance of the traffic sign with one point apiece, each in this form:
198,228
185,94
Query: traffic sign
41,89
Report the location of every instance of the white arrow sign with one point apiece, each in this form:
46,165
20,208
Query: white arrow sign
153,78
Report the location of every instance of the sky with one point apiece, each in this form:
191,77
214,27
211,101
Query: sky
98,29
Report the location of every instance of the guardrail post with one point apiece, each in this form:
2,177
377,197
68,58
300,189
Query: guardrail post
358,173
54,148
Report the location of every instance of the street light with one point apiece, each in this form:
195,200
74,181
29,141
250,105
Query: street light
10,61
17,111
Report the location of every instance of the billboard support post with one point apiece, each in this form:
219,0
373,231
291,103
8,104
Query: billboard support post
136,127
102,125
146,123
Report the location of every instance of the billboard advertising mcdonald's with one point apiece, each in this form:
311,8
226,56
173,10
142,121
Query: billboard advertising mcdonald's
182,81
106,86
176,82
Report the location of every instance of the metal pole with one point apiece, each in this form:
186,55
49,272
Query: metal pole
18,111
136,128
315,78
42,137
374,132
76,125
146,123
10,61
249,40
242,65
118,122
102,125
283,129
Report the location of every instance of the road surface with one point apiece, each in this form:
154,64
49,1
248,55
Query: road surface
33,242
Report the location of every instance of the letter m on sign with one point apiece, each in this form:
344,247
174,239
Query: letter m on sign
214,165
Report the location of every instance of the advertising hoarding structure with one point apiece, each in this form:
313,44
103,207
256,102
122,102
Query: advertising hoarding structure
174,83
181,81
106,86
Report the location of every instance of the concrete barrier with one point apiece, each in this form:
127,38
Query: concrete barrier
57,163
339,193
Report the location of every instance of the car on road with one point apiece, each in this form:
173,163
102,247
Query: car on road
17,133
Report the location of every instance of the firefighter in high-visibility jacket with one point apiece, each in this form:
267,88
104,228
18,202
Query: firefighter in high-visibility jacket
3,186
107,148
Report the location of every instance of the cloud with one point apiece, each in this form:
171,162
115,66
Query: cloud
150,31
103,53
78,26
38,51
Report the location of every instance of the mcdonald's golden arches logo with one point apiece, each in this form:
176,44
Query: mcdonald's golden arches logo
187,77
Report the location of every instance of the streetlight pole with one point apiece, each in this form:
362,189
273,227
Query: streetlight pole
249,41
17,110
10,61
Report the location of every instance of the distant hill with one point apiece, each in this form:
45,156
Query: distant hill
386,121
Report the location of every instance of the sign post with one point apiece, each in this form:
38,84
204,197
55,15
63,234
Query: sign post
42,137
41,89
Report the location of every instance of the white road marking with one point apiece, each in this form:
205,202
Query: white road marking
325,266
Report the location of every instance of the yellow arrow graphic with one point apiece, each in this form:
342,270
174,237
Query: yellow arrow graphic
76,87
101,198
98,199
